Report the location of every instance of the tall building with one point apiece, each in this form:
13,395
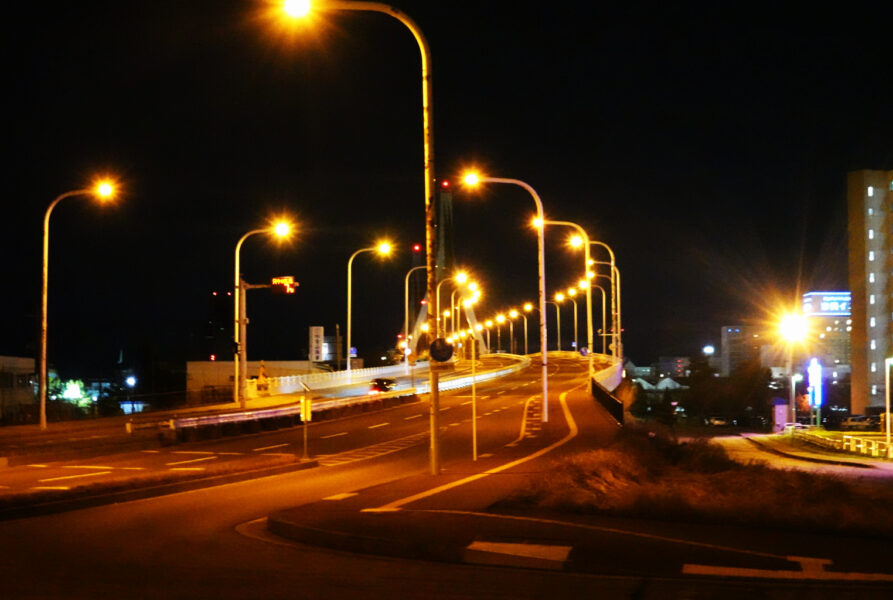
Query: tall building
738,345
831,324
869,199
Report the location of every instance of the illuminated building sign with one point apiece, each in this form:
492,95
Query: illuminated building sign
284,285
826,304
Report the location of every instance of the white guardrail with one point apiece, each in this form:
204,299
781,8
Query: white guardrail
868,446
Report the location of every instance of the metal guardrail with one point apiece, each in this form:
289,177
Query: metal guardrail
868,446
817,440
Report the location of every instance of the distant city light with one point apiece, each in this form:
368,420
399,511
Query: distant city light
130,381
708,350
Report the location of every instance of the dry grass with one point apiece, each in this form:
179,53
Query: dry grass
643,475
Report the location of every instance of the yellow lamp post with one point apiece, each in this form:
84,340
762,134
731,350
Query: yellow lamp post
461,277
571,292
513,314
383,249
280,230
580,239
500,319
103,191
301,8
559,298
473,179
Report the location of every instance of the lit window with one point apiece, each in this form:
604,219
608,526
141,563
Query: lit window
870,191
849,321
874,344
872,322
874,367
871,299
870,212
871,278
871,234
874,390
871,255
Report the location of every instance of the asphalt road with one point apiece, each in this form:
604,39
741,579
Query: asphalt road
212,542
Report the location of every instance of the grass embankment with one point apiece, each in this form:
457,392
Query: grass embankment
649,476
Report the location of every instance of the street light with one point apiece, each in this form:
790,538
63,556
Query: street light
513,314
581,238
103,190
382,248
500,319
527,308
460,277
793,328
301,8
406,314
559,298
616,327
473,179
280,230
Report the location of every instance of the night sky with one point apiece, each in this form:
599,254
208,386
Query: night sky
708,144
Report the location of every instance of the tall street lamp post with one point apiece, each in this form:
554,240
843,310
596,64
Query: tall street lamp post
527,308
406,314
793,329
473,179
300,8
581,239
384,249
103,191
558,299
280,230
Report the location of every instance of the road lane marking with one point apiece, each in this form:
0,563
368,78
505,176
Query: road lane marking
333,435
343,496
466,403
379,425
445,408
523,433
572,433
454,424
73,476
85,467
230,453
486,455
191,452
411,417
187,468
39,466
184,462
269,447
50,487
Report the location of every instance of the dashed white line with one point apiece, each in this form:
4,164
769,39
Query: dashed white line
184,462
269,447
73,476
379,425
333,435
412,417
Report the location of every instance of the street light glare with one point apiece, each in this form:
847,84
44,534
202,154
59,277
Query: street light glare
461,277
297,8
513,313
384,248
576,241
537,222
105,189
793,327
559,297
281,229
471,179
500,318
528,307
572,292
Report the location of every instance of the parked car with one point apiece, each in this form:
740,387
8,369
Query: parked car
718,421
791,427
857,423
381,385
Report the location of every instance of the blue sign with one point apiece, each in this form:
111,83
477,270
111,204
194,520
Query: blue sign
827,304
815,382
